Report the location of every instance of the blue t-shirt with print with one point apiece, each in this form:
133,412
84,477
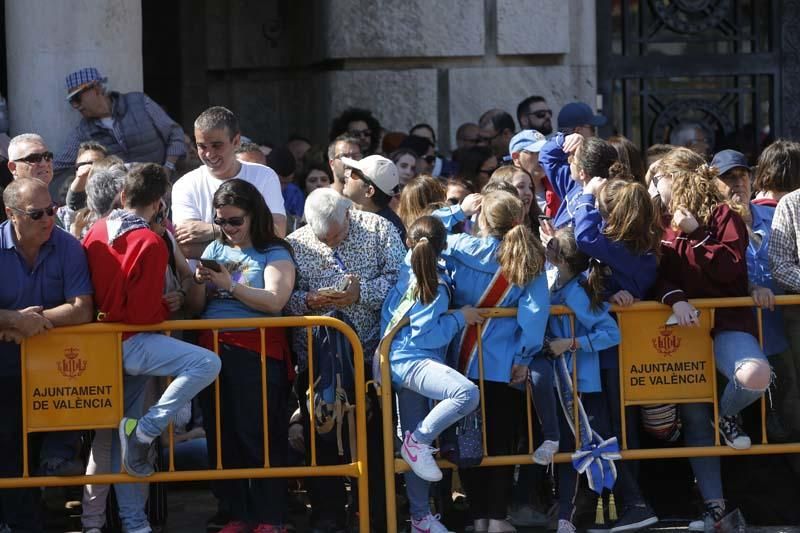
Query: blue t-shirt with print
247,268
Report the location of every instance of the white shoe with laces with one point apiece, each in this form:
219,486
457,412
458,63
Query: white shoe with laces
565,526
420,458
428,524
543,455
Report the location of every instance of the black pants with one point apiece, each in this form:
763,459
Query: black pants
489,489
21,509
250,500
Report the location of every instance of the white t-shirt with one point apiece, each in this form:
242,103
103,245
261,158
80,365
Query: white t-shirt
193,193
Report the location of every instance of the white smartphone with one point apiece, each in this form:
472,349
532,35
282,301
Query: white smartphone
339,288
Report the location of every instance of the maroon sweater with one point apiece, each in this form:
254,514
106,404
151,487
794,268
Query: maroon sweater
709,262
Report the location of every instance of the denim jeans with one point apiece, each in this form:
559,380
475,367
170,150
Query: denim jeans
731,350
419,382
544,398
152,354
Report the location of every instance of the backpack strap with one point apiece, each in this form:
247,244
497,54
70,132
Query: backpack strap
495,292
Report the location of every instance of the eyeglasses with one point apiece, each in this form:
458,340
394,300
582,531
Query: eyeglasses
33,159
360,133
232,221
82,164
36,214
75,99
541,113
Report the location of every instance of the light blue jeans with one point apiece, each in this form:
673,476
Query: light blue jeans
151,354
731,350
417,382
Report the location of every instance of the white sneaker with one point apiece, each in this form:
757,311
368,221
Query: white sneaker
428,524
545,452
420,458
565,526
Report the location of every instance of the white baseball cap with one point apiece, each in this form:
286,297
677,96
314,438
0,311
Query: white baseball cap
378,170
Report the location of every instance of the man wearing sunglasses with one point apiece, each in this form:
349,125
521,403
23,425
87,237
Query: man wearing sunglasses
29,157
533,113
370,184
496,130
44,273
130,125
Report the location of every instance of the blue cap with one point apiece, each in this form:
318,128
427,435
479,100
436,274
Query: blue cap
81,79
528,140
729,159
577,114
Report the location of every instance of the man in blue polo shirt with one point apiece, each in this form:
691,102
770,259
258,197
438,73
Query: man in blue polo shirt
45,283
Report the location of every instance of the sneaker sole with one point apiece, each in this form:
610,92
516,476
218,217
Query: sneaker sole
429,479
638,525
123,442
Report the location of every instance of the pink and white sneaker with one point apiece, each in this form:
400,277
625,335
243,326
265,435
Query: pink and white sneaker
420,458
428,524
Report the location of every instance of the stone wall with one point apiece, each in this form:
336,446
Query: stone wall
289,67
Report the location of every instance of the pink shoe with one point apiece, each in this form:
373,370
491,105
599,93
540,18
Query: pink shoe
420,458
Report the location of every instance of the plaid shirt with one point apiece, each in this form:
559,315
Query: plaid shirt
784,243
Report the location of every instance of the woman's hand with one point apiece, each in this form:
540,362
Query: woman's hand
622,298
519,374
686,314
472,315
560,345
471,204
221,279
763,297
174,300
572,142
594,185
684,220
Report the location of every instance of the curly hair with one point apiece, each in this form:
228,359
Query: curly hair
697,192
340,125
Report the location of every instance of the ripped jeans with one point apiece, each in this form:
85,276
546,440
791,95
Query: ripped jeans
731,350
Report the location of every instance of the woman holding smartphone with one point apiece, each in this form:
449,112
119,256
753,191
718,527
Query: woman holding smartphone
254,278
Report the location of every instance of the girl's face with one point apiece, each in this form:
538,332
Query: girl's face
406,168
235,223
522,182
316,179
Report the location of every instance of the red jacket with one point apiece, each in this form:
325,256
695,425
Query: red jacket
709,262
551,198
128,275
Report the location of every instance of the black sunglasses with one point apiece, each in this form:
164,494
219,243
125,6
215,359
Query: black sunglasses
82,164
75,99
232,221
32,159
36,214
542,113
430,159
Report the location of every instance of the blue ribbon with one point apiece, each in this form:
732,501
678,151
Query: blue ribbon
597,461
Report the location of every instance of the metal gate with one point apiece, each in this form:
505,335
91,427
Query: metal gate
692,72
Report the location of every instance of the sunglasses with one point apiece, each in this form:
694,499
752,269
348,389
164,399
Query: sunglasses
33,159
75,99
430,159
232,221
82,164
36,214
453,201
360,133
542,113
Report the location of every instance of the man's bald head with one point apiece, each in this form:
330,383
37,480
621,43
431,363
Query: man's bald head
20,190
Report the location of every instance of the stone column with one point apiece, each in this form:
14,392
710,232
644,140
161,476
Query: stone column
47,40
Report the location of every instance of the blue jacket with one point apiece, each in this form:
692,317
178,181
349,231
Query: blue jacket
472,263
759,273
595,330
430,329
631,272
554,162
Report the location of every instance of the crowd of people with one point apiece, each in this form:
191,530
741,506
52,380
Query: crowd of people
373,228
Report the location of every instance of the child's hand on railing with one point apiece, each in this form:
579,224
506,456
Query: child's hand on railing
471,315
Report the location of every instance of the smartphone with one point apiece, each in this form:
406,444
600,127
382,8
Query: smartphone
673,320
340,287
211,265
545,217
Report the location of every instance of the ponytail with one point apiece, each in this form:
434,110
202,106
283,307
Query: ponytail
521,256
427,238
595,284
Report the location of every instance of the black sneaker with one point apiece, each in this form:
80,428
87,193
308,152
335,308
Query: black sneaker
634,518
136,457
732,433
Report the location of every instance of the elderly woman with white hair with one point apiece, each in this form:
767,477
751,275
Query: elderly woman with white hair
347,260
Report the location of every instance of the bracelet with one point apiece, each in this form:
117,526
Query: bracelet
573,346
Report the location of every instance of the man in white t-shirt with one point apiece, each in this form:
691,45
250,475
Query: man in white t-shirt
217,136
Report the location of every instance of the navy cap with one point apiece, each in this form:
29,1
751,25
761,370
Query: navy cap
577,114
729,159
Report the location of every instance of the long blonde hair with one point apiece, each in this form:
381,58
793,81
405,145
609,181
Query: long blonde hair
697,192
521,256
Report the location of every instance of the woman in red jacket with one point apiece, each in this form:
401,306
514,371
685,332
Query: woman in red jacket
704,256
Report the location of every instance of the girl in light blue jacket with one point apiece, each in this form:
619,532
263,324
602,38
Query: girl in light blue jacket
595,330
501,267
417,355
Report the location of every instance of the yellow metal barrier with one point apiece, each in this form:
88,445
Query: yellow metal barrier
72,379
691,378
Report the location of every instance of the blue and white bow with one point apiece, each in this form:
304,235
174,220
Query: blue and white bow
596,456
